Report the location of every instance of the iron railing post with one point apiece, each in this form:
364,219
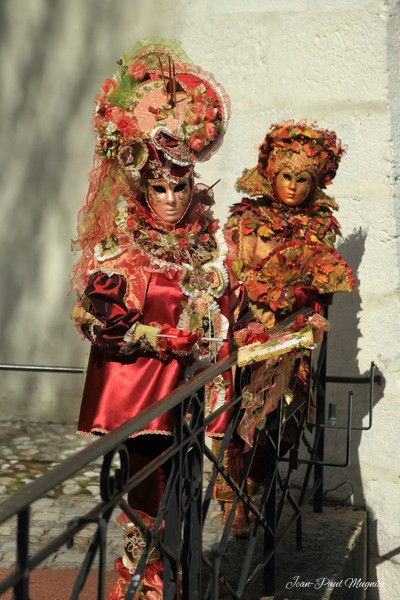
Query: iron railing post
173,522
320,388
21,589
193,505
270,508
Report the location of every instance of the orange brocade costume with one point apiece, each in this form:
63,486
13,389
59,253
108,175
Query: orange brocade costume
286,257
285,250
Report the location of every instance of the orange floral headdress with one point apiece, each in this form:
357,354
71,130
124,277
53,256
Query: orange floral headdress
297,146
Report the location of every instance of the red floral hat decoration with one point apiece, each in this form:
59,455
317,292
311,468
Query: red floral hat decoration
159,108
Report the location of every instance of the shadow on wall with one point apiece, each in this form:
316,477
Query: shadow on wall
392,53
41,170
58,54
49,99
343,351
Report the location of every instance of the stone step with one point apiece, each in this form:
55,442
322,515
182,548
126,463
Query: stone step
332,562
330,566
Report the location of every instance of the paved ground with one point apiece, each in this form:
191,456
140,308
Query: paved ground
29,449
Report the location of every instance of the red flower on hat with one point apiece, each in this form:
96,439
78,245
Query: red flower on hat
128,127
300,323
109,85
196,141
211,113
193,119
115,113
137,71
99,122
210,131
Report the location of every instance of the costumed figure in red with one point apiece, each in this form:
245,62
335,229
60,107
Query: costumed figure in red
284,231
156,296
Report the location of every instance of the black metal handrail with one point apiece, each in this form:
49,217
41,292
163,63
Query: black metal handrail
70,466
183,501
40,368
113,487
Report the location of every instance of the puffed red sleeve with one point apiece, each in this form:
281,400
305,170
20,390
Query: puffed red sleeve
104,300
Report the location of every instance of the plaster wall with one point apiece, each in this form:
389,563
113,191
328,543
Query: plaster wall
332,61
336,63
55,55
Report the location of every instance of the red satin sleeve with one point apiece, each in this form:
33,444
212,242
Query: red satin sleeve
104,299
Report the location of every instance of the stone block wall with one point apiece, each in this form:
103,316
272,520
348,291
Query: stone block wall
331,61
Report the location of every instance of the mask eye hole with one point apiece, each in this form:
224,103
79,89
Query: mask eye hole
180,187
287,177
158,189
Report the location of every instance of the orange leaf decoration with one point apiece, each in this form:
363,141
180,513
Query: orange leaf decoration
306,264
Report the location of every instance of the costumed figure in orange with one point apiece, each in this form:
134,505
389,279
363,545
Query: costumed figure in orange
284,231
156,296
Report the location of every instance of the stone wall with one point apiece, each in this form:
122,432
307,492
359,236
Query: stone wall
332,61
336,62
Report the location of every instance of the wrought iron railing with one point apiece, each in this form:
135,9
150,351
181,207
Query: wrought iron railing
189,573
